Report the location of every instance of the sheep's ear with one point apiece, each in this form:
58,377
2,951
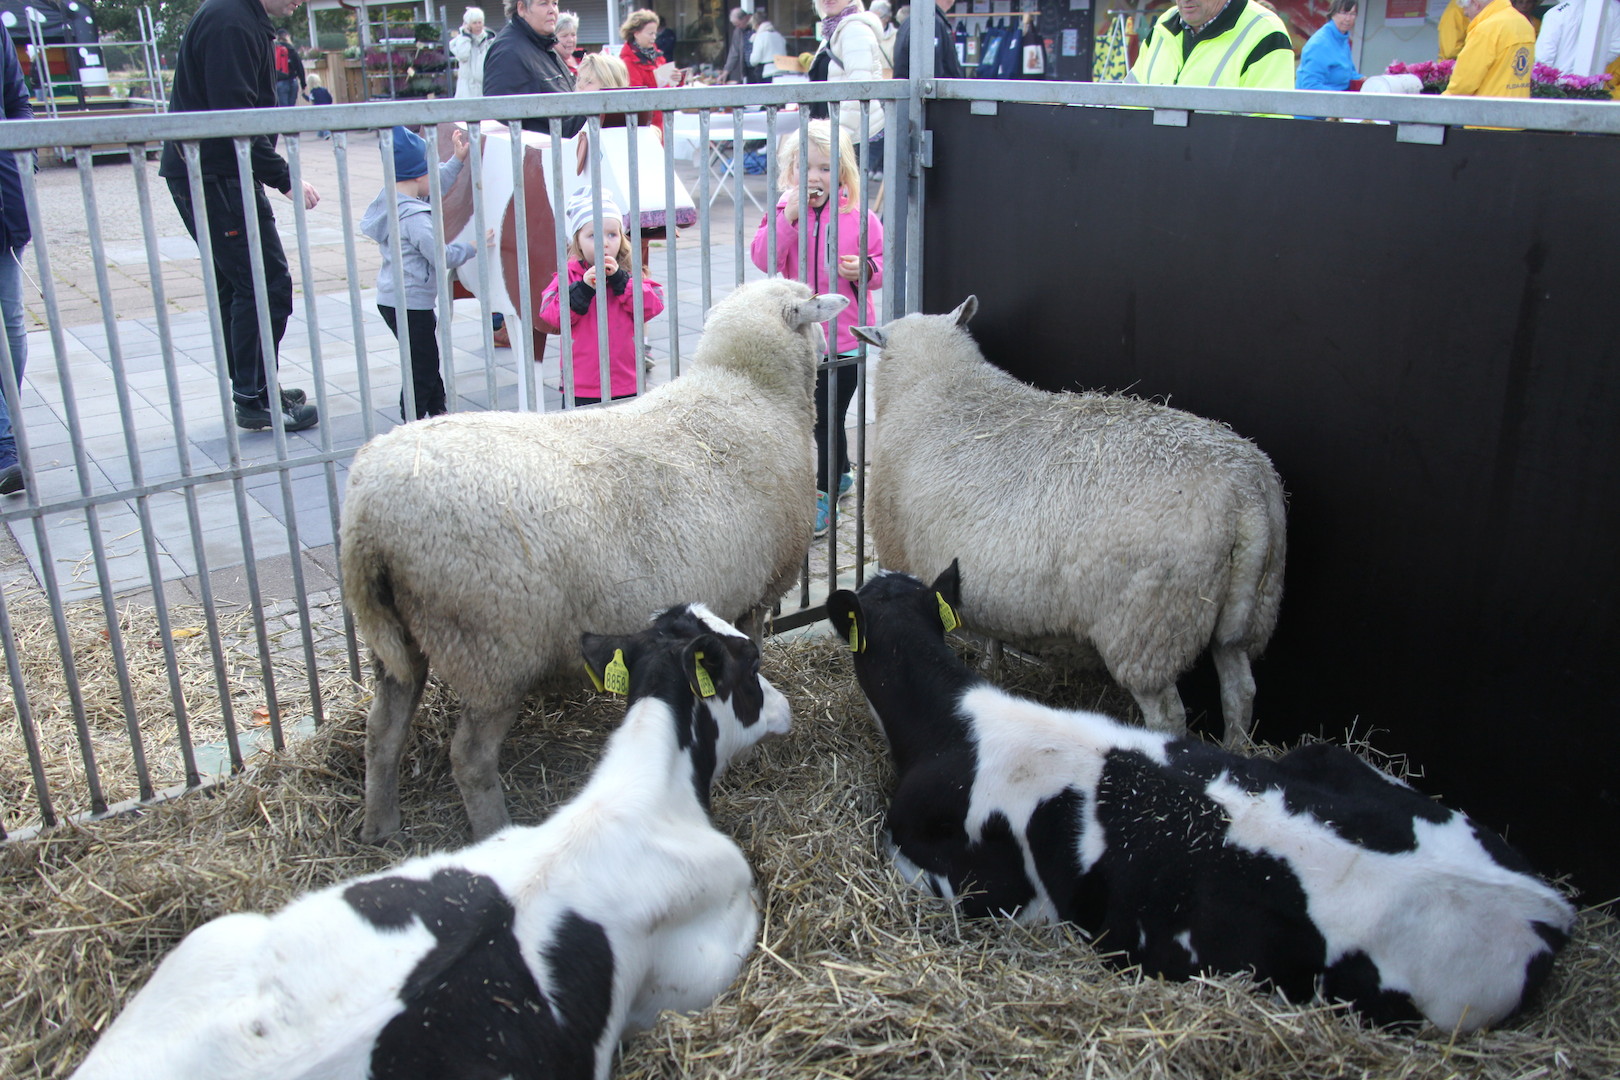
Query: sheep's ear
704,661
948,595
873,336
844,612
965,310
605,664
817,309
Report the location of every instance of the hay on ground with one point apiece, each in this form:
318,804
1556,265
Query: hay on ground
856,975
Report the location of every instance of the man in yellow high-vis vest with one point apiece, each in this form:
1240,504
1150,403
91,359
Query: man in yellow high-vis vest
1232,43
1498,53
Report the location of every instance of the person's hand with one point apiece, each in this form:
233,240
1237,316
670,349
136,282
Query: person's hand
790,208
311,196
590,276
460,144
849,267
489,238
610,265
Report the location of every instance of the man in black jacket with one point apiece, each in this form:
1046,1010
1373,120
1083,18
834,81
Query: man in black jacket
227,61
523,59
946,65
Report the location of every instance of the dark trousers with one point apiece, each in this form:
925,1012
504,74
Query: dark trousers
233,274
839,381
426,383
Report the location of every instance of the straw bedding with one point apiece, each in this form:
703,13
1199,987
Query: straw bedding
855,975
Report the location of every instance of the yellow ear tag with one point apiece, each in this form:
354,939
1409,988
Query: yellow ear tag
705,684
947,614
854,635
616,679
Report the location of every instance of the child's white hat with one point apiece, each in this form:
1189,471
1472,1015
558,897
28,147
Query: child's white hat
579,211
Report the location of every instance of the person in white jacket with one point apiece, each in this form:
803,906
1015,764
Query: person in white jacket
1555,45
768,45
851,51
469,47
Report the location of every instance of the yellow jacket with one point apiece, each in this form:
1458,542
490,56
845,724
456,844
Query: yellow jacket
1453,30
1497,55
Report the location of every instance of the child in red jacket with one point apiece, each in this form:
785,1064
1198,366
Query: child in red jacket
583,293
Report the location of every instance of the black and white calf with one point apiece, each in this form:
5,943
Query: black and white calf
526,955
1314,870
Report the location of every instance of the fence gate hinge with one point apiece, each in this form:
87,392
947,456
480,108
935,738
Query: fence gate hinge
981,108
1170,117
925,152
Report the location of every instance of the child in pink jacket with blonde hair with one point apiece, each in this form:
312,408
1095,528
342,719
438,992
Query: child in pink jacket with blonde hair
584,292
857,264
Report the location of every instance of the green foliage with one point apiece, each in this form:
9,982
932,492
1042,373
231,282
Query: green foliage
427,31
117,20
332,40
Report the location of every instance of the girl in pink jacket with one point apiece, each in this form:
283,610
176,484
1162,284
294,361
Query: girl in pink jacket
856,267
584,292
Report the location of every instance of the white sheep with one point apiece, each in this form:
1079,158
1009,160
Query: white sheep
1093,524
480,544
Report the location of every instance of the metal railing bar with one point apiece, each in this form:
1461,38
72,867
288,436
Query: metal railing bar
192,154
1531,113
143,511
530,390
340,154
171,378
289,505
53,592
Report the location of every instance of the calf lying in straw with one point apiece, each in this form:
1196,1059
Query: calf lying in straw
1313,870
527,955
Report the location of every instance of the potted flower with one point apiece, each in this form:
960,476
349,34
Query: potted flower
1548,82
1434,74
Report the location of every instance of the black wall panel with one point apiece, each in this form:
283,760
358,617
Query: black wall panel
1425,339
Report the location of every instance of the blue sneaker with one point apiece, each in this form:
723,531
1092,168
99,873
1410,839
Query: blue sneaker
846,483
823,513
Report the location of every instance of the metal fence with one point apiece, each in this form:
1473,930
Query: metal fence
180,603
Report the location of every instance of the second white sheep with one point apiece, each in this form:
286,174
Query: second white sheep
1095,524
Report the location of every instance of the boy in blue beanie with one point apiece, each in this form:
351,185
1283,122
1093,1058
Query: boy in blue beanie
415,283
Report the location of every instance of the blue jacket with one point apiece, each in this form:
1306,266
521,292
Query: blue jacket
1324,63
14,231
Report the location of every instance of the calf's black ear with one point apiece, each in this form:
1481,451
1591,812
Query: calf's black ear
844,612
605,663
704,661
948,595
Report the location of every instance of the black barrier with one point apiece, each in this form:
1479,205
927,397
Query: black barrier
1424,340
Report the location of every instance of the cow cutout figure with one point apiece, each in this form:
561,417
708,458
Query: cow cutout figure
1315,871
528,955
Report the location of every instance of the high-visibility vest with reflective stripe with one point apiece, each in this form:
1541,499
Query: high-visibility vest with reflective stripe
1220,60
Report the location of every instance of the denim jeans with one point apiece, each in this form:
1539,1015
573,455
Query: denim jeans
11,308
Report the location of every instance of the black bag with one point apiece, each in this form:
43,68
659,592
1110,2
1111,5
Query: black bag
818,73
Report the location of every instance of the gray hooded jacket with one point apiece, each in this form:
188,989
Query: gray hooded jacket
416,242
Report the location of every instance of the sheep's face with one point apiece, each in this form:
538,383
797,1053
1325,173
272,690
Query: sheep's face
775,318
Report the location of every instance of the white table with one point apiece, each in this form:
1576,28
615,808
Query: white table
685,141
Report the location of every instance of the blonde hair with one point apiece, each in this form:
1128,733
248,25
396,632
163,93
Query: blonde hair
312,80
608,71
820,136
636,21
